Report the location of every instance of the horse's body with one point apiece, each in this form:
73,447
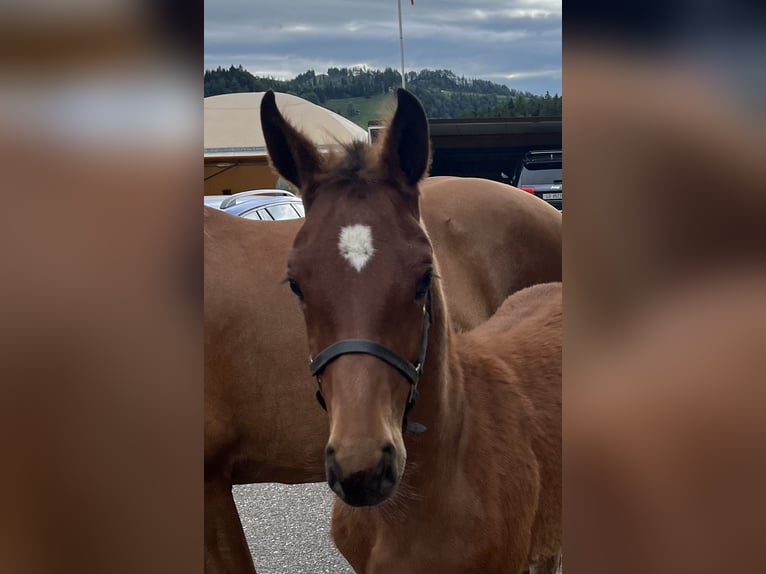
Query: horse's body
262,423
501,453
491,241
480,490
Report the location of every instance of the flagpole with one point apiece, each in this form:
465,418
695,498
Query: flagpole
401,41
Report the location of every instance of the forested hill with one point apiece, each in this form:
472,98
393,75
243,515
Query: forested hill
358,92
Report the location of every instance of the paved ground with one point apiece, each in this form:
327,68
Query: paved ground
287,528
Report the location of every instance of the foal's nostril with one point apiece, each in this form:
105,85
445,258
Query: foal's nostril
387,479
387,469
333,471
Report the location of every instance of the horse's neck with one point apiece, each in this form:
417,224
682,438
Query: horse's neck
441,404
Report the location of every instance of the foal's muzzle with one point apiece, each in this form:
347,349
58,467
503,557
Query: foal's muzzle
366,487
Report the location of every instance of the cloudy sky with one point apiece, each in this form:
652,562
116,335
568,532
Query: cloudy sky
515,42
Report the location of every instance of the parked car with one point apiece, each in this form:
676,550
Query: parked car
540,174
259,204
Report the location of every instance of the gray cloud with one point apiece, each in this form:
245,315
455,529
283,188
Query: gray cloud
515,42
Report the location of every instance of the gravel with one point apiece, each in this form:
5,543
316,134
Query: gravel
287,528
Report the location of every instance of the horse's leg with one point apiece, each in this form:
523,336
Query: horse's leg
226,550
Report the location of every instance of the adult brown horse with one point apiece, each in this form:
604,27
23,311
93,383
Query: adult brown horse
262,423
482,492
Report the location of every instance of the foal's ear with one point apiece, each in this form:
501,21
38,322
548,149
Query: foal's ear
406,147
291,153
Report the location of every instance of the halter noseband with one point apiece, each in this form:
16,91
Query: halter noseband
364,346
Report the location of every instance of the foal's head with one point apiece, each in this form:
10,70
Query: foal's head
361,267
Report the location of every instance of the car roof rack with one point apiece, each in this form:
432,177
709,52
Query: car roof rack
242,195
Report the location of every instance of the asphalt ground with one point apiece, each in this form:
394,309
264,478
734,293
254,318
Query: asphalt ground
288,528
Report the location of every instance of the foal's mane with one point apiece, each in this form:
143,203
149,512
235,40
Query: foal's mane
353,162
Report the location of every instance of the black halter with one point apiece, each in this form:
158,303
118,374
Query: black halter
367,347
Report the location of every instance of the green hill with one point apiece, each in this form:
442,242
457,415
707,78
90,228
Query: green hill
361,110
362,94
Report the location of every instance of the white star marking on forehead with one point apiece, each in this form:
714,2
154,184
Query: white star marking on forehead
355,245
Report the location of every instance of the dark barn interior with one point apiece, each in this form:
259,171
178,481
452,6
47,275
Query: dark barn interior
489,147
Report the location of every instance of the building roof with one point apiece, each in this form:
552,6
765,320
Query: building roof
233,126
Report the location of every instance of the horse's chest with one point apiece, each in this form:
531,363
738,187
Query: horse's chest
465,531
443,544
435,554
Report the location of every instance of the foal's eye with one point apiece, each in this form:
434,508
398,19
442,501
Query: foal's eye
295,288
424,284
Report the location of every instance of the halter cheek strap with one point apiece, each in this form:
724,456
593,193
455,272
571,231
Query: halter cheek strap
364,346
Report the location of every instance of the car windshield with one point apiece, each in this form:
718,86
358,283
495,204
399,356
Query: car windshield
539,175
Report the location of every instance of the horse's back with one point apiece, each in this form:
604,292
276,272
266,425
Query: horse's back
526,334
541,302
493,240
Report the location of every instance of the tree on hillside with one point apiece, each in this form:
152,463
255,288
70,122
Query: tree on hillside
442,92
